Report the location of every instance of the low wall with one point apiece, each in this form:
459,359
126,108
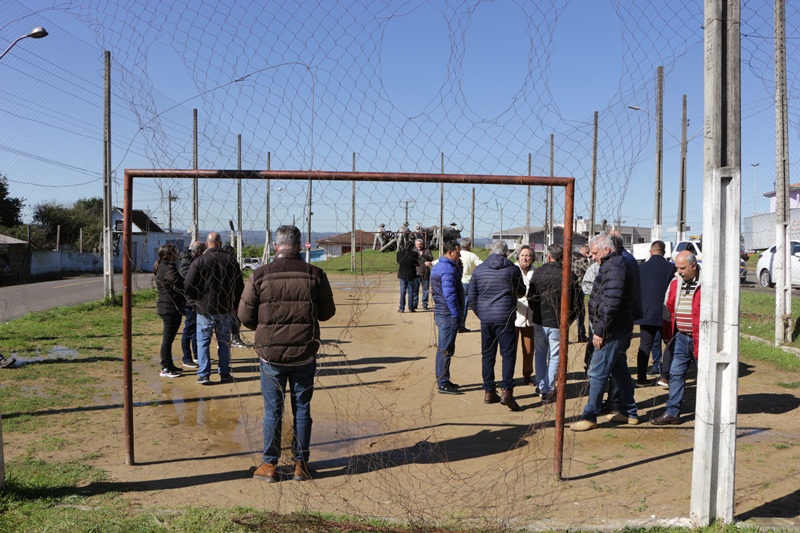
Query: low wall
51,262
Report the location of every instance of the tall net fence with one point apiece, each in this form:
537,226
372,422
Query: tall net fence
407,87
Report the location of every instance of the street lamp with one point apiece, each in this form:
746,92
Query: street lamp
36,33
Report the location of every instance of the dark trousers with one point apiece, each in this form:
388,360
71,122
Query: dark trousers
189,336
502,336
582,318
649,341
172,324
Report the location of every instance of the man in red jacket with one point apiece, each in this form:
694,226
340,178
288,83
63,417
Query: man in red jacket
681,321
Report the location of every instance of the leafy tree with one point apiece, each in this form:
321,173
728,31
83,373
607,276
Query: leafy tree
10,208
86,214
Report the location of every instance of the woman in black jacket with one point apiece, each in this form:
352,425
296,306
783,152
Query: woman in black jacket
170,305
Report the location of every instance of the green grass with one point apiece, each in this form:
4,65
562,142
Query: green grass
373,262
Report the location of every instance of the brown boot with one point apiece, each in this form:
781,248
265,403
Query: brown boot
507,399
301,471
491,397
267,472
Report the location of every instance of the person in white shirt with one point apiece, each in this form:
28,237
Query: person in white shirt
524,320
469,262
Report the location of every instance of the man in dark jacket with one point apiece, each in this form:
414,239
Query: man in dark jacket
544,299
407,260
215,283
655,275
448,293
424,260
284,302
493,291
612,304
580,264
189,335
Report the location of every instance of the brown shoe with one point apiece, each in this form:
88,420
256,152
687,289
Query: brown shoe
491,397
267,472
302,472
507,399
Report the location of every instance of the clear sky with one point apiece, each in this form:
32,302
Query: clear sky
398,83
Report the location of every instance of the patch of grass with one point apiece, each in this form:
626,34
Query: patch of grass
756,351
780,446
609,435
373,262
792,385
757,315
634,445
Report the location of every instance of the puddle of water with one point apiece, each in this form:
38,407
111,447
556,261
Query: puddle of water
53,354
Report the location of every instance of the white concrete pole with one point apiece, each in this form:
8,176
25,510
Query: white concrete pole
782,266
714,458
657,218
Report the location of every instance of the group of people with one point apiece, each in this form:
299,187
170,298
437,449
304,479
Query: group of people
664,300
283,301
516,304
520,307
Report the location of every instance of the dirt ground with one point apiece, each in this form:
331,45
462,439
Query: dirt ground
386,444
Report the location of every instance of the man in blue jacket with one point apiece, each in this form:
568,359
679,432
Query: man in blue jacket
613,306
448,293
495,286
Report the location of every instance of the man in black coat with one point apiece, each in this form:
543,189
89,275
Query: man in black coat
654,275
493,291
407,261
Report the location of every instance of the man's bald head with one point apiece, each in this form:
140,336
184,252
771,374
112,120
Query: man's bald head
213,240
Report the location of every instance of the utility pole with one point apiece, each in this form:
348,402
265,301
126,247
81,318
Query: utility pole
308,231
472,219
656,234
550,229
267,240
528,207
714,457
593,205
682,197
239,199
170,198
195,192
441,211
782,265
353,211
108,199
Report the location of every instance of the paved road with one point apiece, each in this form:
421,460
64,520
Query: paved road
19,300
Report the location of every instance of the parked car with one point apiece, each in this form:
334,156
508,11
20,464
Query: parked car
696,247
251,263
764,271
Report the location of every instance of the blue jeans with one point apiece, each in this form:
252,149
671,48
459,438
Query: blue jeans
189,335
464,306
494,336
546,346
208,325
301,389
610,360
446,346
682,358
415,293
425,283
406,291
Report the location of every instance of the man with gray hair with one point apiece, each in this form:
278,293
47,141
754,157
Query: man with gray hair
612,304
469,262
284,301
494,288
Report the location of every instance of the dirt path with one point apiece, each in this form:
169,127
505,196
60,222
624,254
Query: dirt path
386,444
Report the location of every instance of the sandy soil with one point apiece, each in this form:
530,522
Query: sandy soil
386,444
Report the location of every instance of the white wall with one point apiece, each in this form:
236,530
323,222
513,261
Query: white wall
47,262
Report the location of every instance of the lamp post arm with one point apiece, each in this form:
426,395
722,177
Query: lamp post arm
10,46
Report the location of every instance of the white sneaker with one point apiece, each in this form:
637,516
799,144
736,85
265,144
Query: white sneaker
169,373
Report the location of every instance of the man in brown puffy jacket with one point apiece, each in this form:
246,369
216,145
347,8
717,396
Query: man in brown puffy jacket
284,302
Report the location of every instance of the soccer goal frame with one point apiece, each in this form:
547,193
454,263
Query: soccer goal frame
568,183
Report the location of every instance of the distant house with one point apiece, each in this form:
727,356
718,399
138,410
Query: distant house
146,237
337,245
758,230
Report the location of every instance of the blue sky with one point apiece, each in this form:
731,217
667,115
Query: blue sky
486,83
